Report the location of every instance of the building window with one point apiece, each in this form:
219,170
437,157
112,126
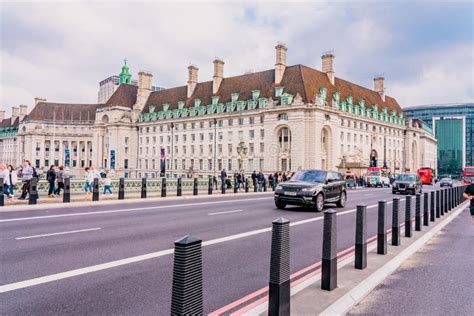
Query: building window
229,149
220,136
251,148
201,136
251,134
229,165
282,117
126,140
219,149
231,122
262,133
252,120
201,124
261,164
193,137
125,163
262,148
241,135
221,123
241,121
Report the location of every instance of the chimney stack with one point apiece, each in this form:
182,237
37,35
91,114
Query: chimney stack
23,110
379,86
38,100
15,112
144,89
2,115
218,75
192,79
280,64
328,66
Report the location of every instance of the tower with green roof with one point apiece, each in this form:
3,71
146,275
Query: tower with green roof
125,75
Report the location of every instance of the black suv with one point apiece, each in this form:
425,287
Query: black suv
407,183
312,188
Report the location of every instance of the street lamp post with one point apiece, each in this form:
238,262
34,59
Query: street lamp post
215,145
172,150
242,151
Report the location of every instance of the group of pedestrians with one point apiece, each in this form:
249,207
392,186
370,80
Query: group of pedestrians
10,178
55,177
92,173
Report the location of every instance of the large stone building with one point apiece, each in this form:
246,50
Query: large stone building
284,118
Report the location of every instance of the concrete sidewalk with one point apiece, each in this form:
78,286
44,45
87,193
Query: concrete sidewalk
353,285
437,280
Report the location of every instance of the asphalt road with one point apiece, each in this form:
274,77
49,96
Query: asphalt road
437,280
45,243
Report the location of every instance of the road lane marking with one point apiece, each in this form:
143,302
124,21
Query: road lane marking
225,212
126,210
112,264
61,233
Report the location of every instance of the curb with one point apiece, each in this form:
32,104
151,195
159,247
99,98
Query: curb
354,296
58,205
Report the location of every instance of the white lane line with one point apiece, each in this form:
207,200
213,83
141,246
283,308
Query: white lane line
127,210
112,264
61,233
225,212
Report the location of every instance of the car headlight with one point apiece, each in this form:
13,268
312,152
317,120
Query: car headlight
309,189
279,187
412,185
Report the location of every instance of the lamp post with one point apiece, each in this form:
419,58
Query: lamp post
172,151
215,145
242,151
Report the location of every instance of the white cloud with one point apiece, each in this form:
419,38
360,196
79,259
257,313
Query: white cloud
446,76
61,51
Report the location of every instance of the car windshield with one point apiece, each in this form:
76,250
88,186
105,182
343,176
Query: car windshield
405,177
374,173
446,179
310,176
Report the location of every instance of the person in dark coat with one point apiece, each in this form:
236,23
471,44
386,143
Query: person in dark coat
223,178
51,177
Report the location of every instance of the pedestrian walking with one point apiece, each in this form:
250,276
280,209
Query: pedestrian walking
469,195
51,178
60,175
254,178
27,173
88,179
261,181
214,181
107,182
4,174
12,179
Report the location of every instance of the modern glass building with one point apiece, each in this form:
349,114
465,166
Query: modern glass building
453,126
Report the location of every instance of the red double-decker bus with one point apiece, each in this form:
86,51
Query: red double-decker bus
426,175
467,174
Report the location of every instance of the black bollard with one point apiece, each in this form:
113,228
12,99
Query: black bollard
187,292
235,186
95,190
33,191
438,203
143,193
432,206
209,187
329,260
121,189
381,229
408,232
195,186
246,185
361,238
451,199
279,286
2,197
395,222
425,209
67,190
264,185
163,187
179,187
441,205
418,212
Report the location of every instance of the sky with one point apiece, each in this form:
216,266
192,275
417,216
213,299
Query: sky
60,50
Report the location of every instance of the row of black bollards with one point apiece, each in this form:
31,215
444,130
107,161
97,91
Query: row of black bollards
187,294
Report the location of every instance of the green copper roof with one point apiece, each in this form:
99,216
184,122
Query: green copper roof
125,75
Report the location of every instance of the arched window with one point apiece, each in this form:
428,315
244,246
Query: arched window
284,138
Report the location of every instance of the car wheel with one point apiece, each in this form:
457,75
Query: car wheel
319,205
280,205
342,200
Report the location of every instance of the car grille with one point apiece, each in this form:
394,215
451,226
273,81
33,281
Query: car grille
291,189
401,186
